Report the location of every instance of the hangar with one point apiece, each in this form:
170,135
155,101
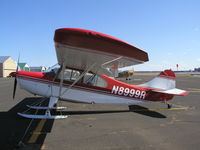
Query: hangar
38,69
7,65
23,66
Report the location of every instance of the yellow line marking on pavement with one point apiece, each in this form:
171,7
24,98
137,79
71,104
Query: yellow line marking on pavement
37,132
178,108
194,90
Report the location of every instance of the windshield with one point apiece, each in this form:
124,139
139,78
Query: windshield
52,71
53,68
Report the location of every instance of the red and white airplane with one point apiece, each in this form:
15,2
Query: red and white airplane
86,59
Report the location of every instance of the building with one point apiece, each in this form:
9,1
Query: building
38,69
23,67
197,69
7,65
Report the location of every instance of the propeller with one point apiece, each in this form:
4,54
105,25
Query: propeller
15,86
15,75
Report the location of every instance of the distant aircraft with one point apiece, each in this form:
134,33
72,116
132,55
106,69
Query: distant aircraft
128,74
84,61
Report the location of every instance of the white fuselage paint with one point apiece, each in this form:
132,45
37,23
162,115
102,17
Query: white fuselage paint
76,94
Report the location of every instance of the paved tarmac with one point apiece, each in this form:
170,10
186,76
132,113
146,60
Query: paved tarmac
144,126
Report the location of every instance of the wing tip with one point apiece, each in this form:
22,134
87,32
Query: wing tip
184,93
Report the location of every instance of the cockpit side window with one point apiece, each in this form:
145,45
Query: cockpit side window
67,74
70,75
75,74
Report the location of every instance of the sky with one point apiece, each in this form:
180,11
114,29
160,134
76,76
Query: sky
169,31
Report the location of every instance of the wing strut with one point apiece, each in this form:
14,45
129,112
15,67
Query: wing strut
62,78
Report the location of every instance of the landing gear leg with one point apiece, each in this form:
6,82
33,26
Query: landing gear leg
169,106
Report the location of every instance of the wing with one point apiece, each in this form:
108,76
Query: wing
78,48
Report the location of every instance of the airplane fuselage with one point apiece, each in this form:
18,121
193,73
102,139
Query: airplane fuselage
115,92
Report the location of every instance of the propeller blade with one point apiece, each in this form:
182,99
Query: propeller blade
15,81
15,86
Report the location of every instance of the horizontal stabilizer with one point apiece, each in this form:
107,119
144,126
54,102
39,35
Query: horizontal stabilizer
174,91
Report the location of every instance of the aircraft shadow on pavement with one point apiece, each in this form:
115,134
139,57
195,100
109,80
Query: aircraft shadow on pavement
132,108
145,111
32,132
14,127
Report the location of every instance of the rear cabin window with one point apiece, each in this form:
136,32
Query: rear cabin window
95,80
